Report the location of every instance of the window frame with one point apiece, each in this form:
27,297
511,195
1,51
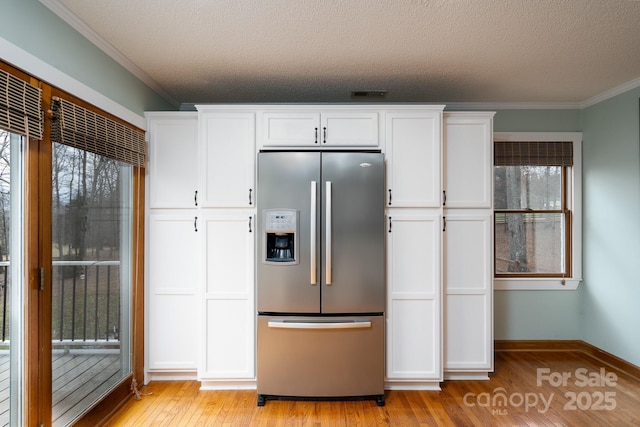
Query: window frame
573,200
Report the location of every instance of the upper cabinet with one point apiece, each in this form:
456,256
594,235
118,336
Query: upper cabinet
173,164
320,129
413,145
468,159
227,156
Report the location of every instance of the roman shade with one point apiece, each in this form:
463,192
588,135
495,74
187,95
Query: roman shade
78,127
533,153
20,106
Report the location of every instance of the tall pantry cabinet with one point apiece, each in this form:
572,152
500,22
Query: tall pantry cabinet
172,268
468,245
414,216
227,171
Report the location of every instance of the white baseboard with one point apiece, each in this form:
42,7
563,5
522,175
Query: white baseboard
228,384
471,376
170,376
412,385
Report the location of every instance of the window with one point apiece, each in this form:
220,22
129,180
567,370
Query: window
537,208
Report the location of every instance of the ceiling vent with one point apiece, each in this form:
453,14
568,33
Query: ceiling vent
368,93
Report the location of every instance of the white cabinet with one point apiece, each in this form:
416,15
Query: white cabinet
414,299
413,146
468,159
171,258
324,129
468,279
468,244
228,321
227,156
173,164
173,282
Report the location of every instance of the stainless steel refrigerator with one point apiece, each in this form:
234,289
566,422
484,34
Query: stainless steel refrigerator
320,267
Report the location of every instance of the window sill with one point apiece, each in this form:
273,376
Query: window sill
532,284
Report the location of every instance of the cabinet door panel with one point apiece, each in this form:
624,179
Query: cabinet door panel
414,297
413,159
173,335
173,261
228,159
468,284
350,129
228,256
229,309
414,341
468,333
414,245
291,129
172,285
173,165
468,254
468,155
229,338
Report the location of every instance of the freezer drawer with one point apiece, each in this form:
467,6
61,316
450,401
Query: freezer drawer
320,357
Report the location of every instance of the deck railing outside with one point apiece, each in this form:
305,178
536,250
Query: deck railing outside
85,302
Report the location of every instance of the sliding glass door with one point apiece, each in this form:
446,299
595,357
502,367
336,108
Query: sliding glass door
91,279
11,278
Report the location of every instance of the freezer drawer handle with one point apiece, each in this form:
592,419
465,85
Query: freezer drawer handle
283,324
313,233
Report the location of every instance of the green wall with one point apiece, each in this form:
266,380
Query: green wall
610,298
537,315
32,27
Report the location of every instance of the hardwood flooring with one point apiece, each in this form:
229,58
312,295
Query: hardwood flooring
528,388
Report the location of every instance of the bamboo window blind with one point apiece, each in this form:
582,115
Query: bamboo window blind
78,127
20,106
533,153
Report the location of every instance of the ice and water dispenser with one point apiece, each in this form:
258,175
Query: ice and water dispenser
281,240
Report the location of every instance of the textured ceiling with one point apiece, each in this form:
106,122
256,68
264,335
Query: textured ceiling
445,51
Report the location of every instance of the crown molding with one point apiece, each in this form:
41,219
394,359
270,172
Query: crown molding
611,93
453,106
77,24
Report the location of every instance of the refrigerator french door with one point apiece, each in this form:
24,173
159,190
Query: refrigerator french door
320,275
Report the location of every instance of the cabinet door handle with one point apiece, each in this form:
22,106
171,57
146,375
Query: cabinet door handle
250,202
195,224
316,140
444,223
195,198
250,218
324,135
389,224
389,197
444,197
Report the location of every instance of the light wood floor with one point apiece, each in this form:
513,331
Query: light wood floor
588,397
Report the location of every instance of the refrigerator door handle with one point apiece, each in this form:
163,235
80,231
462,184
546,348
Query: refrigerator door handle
328,233
284,324
313,257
